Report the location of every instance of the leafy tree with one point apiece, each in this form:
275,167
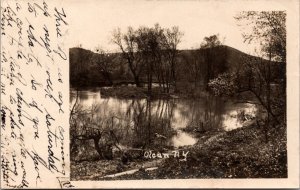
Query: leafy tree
268,28
224,84
211,41
255,74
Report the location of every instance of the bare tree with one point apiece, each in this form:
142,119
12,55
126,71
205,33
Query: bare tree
172,37
207,46
152,50
149,42
194,66
105,62
128,46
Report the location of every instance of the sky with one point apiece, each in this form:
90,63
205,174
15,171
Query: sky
92,21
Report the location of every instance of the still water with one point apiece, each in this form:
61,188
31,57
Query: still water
163,121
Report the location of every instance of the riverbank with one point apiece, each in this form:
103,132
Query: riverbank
127,92
240,153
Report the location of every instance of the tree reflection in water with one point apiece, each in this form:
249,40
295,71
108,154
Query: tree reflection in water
162,123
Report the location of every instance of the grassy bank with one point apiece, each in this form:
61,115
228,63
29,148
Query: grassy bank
241,153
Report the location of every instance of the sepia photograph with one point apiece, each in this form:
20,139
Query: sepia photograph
149,94
177,90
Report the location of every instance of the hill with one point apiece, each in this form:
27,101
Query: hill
192,66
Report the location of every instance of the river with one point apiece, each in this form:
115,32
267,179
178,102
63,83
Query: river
161,121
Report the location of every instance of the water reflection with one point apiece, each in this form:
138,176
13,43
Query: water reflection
159,122
182,139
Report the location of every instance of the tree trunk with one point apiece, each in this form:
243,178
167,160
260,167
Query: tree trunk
97,147
268,95
137,81
107,76
208,71
148,108
173,65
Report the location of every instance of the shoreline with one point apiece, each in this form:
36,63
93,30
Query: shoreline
239,153
126,92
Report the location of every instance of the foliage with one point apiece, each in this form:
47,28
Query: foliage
268,28
211,41
224,84
255,76
151,54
